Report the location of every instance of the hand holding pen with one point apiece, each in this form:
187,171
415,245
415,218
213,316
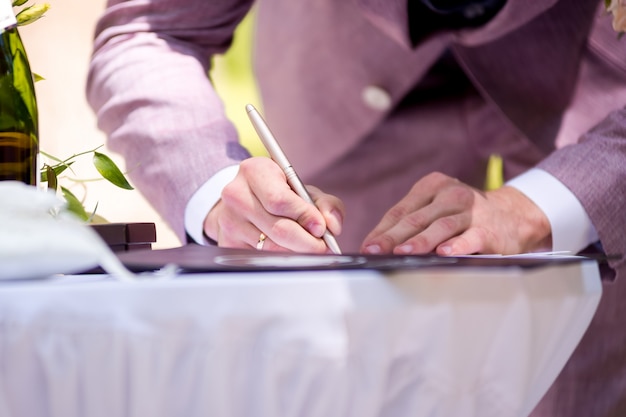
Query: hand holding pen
277,154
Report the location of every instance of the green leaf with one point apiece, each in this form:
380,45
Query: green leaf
58,169
38,77
107,168
98,219
51,178
47,155
31,14
95,218
19,2
74,205
93,214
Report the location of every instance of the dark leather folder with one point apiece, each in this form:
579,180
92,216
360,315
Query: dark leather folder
196,258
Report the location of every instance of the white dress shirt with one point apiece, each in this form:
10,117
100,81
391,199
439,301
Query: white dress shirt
572,230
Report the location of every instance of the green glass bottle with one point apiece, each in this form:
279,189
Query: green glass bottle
19,143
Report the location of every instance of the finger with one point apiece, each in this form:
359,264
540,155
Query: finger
471,241
261,198
276,197
409,225
420,231
440,230
282,234
265,243
421,194
288,234
234,228
383,231
331,207
244,236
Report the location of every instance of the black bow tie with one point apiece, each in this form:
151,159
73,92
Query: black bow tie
427,17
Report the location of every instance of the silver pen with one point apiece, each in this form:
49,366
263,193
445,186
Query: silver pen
277,154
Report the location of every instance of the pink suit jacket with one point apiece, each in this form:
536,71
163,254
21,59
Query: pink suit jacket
554,70
535,63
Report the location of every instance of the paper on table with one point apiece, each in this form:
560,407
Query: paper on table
536,255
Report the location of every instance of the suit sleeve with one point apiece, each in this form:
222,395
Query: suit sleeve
593,165
148,85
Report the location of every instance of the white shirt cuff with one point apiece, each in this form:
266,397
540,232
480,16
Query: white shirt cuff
572,229
203,200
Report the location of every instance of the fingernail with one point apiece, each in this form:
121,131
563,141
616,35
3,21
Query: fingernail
446,250
339,218
316,229
336,214
405,249
373,249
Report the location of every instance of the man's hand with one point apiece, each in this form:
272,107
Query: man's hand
442,215
259,200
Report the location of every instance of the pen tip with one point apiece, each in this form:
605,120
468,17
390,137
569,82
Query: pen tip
249,108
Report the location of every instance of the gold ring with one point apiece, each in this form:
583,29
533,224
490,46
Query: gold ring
259,244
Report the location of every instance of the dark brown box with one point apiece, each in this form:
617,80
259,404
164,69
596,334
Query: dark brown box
123,237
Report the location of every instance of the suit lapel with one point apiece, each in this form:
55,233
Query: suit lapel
390,17
530,73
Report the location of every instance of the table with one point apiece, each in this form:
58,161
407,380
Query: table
436,343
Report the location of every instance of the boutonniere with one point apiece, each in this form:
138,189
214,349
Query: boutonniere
618,9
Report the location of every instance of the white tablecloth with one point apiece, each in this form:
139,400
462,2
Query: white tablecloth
436,343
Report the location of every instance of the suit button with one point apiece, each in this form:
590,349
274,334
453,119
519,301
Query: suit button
376,98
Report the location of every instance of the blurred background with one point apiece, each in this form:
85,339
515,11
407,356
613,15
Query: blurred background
59,46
